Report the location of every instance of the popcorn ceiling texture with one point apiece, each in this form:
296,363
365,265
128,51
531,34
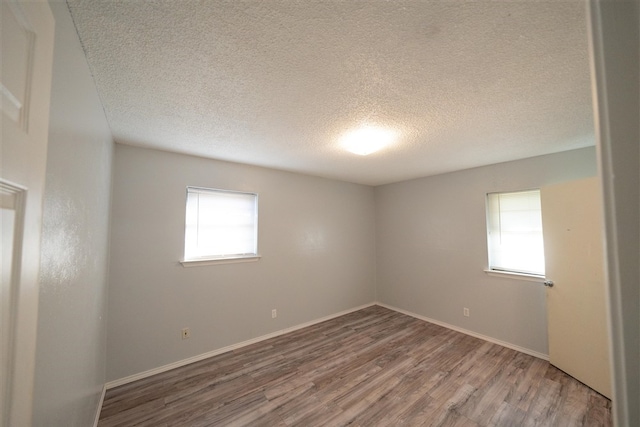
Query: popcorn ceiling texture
275,83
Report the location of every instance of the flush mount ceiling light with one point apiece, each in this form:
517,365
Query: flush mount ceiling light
367,139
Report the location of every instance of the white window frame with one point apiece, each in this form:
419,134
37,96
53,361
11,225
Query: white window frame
494,268
194,255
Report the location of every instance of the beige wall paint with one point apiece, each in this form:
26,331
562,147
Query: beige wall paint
71,343
316,238
431,248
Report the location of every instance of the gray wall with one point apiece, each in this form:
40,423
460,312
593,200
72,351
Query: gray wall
316,238
71,343
432,248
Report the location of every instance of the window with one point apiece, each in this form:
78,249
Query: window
220,225
514,232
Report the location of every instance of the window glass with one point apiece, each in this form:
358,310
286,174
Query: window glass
514,232
220,224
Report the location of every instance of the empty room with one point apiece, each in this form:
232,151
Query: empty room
320,213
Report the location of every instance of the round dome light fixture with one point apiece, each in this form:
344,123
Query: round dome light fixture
368,139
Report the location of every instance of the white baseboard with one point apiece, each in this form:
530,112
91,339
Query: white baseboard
468,332
99,409
161,369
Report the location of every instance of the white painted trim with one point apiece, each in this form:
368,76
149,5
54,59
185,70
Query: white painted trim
180,363
214,261
99,409
608,24
514,275
468,332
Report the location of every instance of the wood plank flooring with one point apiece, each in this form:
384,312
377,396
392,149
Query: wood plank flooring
373,367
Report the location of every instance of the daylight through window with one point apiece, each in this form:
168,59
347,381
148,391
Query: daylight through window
514,232
220,224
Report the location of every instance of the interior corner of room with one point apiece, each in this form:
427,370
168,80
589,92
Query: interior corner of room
111,302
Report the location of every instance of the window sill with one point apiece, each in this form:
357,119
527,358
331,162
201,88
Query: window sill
216,261
517,276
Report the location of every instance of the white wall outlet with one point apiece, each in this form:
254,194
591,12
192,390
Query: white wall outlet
186,333
465,312
274,313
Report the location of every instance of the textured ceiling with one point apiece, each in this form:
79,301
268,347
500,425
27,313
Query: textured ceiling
277,82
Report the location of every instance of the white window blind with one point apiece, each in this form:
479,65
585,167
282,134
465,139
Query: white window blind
220,224
514,229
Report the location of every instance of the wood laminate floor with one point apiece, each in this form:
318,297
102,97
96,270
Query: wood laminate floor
373,367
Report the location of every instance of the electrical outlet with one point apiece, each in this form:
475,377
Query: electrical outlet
274,313
186,333
465,312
